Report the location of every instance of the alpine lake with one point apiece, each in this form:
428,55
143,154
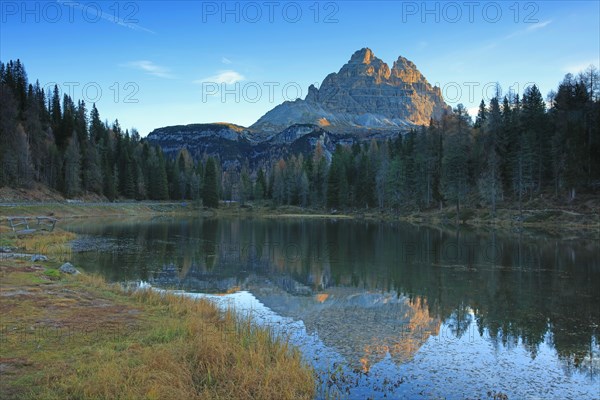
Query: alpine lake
383,309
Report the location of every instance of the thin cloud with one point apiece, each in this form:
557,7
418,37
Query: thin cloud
530,28
107,17
226,60
228,77
150,68
521,32
538,25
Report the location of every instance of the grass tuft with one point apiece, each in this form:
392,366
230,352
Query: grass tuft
52,244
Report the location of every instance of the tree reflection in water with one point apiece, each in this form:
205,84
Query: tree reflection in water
514,289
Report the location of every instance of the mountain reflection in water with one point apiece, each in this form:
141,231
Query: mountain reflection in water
377,295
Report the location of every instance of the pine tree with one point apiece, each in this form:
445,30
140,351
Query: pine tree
92,173
523,163
424,159
246,184
72,167
173,179
304,189
161,186
108,174
67,123
38,138
380,165
489,183
455,161
506,143
409,178
260,185
15,156
97,129
365,183
394,186
481,115
337,181
318,177
436,144
278,185
21,82
55,113
210,196
534,125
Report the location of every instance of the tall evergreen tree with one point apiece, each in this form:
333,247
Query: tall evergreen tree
161,184
337,181
535,129
489,183
455,161
210,196
15,157
72,167
260,187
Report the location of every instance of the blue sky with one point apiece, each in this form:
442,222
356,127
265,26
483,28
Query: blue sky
152,64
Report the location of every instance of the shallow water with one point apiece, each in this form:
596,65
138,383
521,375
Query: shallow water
384,310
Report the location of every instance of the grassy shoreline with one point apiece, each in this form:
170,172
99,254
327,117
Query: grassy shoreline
550,220
545,217
95,209
65,336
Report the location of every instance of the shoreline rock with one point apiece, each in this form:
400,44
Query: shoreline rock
68,268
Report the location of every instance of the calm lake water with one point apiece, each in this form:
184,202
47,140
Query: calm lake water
384,310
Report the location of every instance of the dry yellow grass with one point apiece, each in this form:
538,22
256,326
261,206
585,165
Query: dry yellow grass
52,244
138,345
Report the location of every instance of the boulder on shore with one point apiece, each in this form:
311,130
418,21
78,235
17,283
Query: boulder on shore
68,268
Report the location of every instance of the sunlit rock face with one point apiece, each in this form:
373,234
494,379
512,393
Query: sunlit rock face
364,100
404,339
364,94
375,324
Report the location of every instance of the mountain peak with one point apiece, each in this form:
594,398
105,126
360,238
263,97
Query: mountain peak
403,63
363,95
362,56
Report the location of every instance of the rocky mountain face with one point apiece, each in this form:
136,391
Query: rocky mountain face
364,95
365,100
233,144
230,142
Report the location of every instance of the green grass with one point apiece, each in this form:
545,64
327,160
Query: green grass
52,273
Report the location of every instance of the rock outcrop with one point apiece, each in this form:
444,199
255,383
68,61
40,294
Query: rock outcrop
364,95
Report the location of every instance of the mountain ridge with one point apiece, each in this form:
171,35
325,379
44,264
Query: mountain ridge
364,100
364,94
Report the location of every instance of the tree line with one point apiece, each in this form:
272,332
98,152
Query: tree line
517,148
53,141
